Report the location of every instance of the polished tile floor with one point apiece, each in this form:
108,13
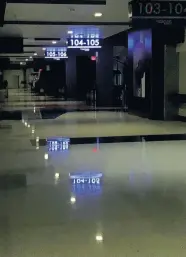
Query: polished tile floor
106,200
137,208
95,124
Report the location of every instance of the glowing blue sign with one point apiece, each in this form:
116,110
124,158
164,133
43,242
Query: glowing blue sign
88,42
86,183
56,52
58,144
90,178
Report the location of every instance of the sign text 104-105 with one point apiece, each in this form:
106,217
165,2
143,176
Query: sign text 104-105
84,43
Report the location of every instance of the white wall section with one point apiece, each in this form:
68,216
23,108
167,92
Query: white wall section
14,78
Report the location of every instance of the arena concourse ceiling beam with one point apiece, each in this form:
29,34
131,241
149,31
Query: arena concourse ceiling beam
57,23
78,2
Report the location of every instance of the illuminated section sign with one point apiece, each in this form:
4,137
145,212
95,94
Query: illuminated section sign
91,41
56,53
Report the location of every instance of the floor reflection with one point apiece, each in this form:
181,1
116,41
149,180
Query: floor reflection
86,183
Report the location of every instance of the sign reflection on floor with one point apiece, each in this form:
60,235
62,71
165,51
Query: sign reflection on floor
86,183
58,144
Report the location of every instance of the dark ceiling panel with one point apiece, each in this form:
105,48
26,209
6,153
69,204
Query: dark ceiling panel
58,23
85,2
47,39
11,45
119,39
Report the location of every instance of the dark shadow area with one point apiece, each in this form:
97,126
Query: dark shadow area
8,182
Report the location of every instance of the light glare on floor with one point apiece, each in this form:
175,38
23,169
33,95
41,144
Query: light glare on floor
46,156
56,175
99,238
72,199
37,139
28,126
33,131
98,14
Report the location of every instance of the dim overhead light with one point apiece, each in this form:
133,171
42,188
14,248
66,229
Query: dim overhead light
98,14
26,60
54,42
21,63
30,57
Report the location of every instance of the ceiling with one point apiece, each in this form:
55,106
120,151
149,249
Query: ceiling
39,24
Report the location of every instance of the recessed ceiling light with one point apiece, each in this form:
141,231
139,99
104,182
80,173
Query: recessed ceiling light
30,57
70,32
35,54
26,60
44,48
98,14
21,63
54,42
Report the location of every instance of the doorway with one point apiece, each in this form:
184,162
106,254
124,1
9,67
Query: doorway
15,81
85,76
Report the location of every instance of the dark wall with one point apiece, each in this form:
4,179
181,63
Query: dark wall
2,12
156,96
104,76
85,75
71,75
53,79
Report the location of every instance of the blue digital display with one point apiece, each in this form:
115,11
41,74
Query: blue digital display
83,43
86,178
58,144
56,52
